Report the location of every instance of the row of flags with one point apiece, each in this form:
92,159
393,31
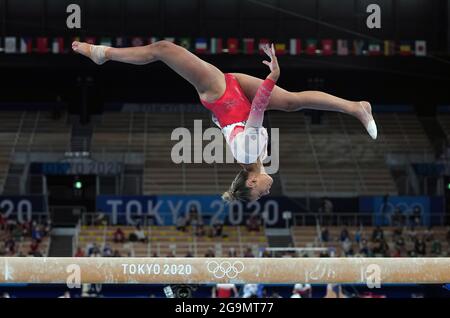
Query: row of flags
295,46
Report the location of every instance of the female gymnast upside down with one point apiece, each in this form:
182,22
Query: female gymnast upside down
228,97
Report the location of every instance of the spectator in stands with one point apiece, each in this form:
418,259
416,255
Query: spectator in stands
116,253
210,253
10,246
302,291
325,235
412,233
396,252
189,254
200,229
217,229
364,249
93,250
17,233
224,291
250,291
377,234
436,247
253,222
181,223
107,251
47,227
416,216
397,217
193,215
140,235
232,252
358,236
428,235
347,247
248,252
34,246
79,252
266,253
36,233
344,235
399,242
119,236
100,218
420,247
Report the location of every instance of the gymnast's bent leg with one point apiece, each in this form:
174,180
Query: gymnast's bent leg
284,100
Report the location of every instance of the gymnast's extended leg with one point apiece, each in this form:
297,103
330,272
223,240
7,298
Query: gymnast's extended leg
207,79
284,100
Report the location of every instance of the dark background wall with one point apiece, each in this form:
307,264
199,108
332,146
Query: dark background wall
423,81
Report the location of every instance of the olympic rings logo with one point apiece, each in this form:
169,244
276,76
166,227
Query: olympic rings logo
225,269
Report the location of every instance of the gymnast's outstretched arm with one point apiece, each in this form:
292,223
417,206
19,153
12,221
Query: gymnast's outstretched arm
262,96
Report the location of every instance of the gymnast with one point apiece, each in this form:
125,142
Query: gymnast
228,97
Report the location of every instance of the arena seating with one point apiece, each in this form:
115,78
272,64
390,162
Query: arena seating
165,240
338,157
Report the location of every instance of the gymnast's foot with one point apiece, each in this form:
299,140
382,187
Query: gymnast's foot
365,116
95,52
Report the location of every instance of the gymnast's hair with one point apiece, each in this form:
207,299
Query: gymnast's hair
238,190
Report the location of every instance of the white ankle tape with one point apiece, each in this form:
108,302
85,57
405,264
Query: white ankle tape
98,53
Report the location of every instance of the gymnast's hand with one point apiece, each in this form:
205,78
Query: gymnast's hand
273,64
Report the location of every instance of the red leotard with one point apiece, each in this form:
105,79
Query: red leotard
233,106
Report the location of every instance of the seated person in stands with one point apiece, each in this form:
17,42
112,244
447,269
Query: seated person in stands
248,252
344,235
36,233
140,235
364,248
189,254
396,252
420,247
377,234
232,252
48,227
100,218
347,247
10,246
25,227
181,224
436,247
266,253
79,252
107,251
428,235
192,215
93,250
210,253
119,236
217,229
416,216
200,229
325,235
253,223
34,246
358,236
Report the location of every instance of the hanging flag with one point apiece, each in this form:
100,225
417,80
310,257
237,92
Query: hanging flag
233,45
10,44
106,41
90,40
216,46
389,48
358,47
405,49
201,45
420,48
137,41
374,49
342,47
262,42
186,43
295,46
327,47
311,46
58,45
26,45
249,46
42,44
280,48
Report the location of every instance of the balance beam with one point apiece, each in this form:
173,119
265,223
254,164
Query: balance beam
79,270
